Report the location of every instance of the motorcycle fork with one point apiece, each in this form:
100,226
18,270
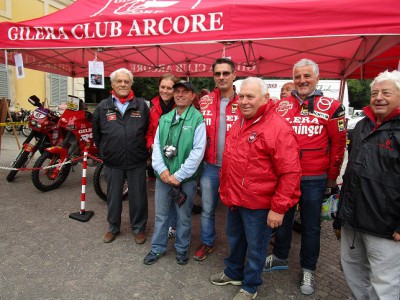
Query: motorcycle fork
27,147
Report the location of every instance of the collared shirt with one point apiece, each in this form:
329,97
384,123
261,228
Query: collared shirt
121,107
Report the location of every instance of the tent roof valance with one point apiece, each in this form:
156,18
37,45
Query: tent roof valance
347,39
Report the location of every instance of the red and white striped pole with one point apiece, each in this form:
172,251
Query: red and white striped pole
83,215
83,194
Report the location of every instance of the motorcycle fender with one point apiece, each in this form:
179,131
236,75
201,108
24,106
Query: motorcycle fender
62,152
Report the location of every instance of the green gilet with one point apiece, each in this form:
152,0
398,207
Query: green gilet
169,130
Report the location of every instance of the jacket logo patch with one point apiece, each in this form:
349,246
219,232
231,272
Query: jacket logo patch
234,108
111,117
135,114
320,115
284,107
324,103
205,101
387,145
304,110
340,124
252,137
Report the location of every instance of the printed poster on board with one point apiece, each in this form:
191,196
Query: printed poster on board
19,65
96,74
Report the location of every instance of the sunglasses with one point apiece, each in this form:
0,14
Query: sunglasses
225,74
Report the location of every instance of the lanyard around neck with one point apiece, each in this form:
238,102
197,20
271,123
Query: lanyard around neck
180,130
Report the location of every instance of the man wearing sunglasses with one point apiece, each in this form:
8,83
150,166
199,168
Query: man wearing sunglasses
220,111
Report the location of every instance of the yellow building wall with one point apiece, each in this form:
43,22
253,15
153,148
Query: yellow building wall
34,82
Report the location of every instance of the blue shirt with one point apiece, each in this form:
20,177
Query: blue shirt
121,107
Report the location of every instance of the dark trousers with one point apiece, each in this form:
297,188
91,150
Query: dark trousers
138,206
312,193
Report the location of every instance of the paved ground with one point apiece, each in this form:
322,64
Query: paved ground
46,255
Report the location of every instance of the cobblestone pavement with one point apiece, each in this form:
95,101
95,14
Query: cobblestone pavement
47,255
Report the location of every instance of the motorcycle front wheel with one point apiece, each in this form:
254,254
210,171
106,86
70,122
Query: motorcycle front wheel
19,163
49,179
26,130
23,158
8,128
100,184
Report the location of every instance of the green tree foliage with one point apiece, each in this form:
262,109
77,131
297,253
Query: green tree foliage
359,92
147,87
144,87
203,83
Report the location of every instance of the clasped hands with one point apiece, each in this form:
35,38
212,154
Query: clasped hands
167,178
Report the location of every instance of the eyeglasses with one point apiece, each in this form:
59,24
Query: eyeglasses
225,74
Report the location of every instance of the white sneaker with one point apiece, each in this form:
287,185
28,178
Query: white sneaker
171,233
243,295
307,285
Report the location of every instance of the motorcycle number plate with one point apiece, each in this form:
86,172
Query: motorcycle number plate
39,115
73,104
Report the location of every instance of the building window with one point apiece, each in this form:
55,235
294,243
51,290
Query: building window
5,9
3,81
58,89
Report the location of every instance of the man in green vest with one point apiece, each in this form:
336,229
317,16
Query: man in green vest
179,147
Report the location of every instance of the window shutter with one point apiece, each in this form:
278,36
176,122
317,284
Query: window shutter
3,81
58,89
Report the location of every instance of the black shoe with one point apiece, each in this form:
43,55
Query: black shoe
182,258
151,258
196,209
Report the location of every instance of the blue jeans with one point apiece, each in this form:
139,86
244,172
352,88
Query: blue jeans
312,193
283,235
209,185
172,216
248,237
163,204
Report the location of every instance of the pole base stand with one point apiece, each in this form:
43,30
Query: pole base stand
82,217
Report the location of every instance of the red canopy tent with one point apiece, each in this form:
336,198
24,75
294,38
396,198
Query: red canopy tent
347,38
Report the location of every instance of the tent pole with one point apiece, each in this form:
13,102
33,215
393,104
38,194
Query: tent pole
341,90
7,75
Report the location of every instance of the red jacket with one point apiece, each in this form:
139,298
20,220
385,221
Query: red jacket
209,107
155,114
260,166
320,131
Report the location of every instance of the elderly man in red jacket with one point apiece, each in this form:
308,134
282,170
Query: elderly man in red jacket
260,181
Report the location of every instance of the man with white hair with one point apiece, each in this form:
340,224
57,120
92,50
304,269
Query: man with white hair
369,212
120,123
260,181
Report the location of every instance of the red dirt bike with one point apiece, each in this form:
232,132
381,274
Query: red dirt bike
75,125
44,133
